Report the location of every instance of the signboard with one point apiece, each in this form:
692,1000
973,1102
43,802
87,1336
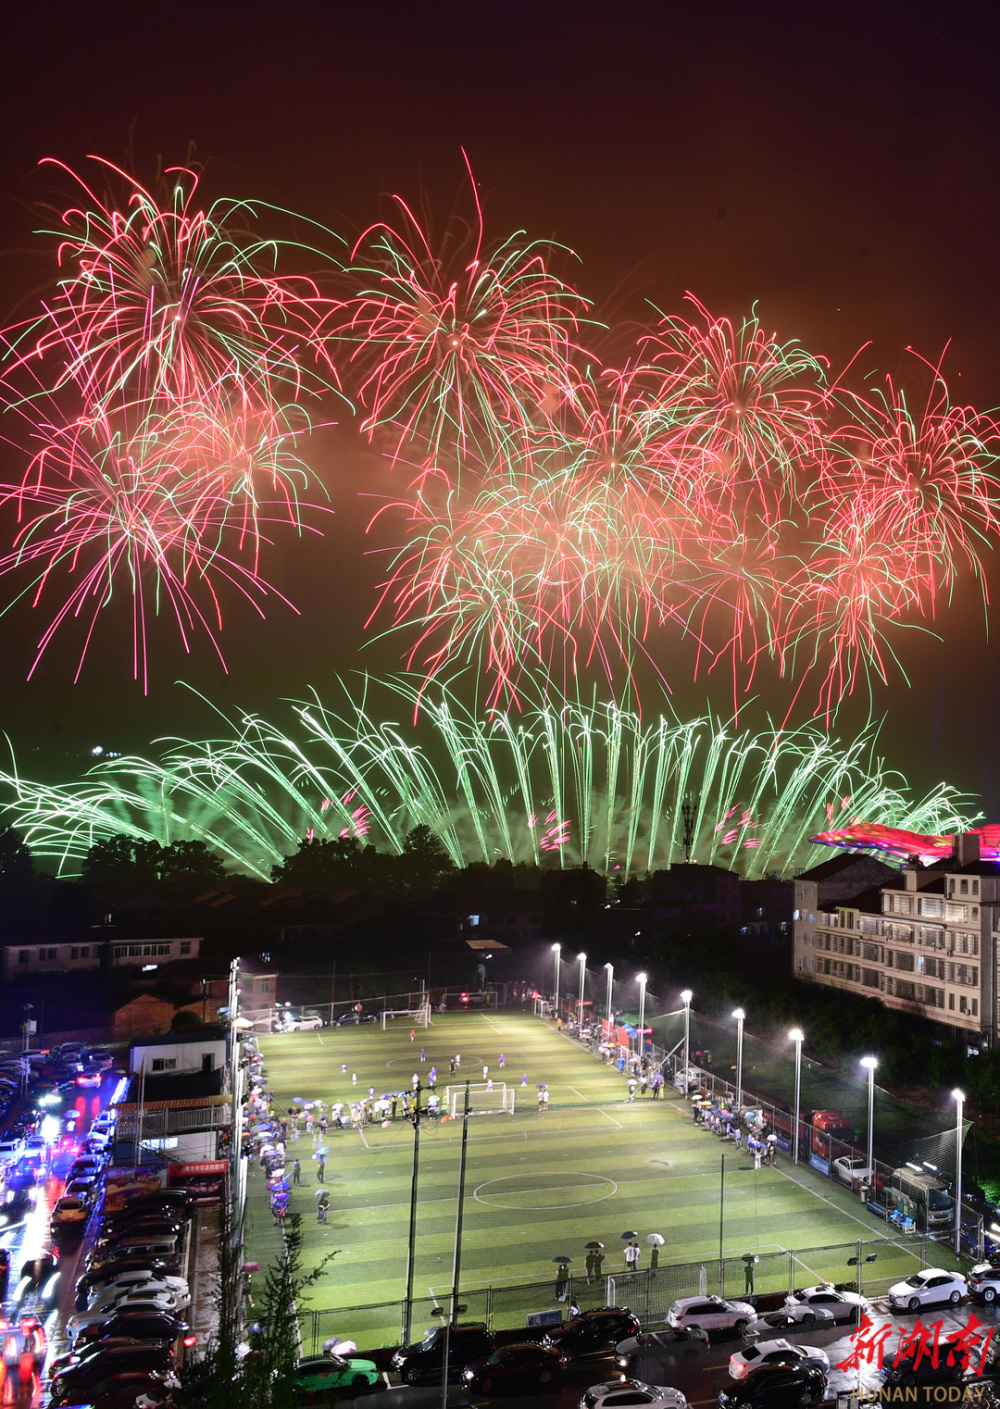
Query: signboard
818,1162
124,1184
205,1179
543,1318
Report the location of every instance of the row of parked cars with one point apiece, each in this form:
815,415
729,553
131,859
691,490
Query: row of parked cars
131,1307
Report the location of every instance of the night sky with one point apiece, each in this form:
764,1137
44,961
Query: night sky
837,164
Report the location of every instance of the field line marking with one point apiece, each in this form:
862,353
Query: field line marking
579,1093
872,1232
363,1140
611,1118
491,1023
811,1270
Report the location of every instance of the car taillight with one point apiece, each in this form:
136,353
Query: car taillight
741,1370
190,1340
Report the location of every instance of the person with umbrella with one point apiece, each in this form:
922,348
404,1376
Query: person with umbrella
593,1270
655,1241
320,1158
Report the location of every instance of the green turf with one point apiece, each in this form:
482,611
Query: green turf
538,1185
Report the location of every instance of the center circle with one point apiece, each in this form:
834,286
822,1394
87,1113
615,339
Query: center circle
529,1192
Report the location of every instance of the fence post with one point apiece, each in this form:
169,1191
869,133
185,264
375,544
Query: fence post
861,1289
791,1273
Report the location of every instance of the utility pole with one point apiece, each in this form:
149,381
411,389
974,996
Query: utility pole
456,1266
412,1240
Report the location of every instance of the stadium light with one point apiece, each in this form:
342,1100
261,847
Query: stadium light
686,997
557,951
798,1037
642,1015
739,1015
959,1097
611,979
583,984
870,1063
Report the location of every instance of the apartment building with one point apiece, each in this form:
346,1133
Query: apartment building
923,940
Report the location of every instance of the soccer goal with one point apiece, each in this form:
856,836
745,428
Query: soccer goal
482,1101
416,1017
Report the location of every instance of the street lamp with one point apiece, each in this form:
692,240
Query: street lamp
959,1102
870,1063
686,997
611,978
798,1037
739,1015
642,1014
583,984
557,951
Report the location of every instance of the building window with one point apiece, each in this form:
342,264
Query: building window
84,951
963,1004
951,1002
74,952
22,956
121,951
135,951
964,887
975,1007
185,946
164,1064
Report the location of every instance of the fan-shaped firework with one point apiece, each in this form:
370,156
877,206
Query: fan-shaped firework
173,301
571,783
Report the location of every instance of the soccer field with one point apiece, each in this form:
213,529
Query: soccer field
539,1184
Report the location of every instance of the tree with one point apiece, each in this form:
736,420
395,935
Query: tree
17,870
424,864
121,866
190,862
323,865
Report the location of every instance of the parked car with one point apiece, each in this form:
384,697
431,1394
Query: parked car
844,1307
849,1168
161,1303
595,1332
622,1393
711,1313
514,1368
984,1282
90,1076
775,1387
909,1374
139,1245
649,1355
321,1374
103,1359
776,1352
308,1023
424,1360
118,1390
106,1292
136,1324
799,1320
926,1288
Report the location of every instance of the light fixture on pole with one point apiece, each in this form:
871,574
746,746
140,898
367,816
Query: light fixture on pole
557,951
642,1014
611,979
959,1097
870,1063
686,997
798,1037
739,1015
583,984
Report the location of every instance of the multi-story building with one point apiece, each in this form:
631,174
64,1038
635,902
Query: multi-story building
18,959
924,940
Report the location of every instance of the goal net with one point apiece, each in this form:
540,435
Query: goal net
482,1101
416,1017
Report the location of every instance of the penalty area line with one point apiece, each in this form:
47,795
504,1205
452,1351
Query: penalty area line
611,1118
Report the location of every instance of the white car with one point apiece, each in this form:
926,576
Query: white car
799,1320
154,1305
618,1394
136,1281
924,1288
306,1024
777,1353
711,1313
849,1168
172,1300
843,1306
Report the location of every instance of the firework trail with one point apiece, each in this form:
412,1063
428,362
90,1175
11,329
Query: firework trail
566,782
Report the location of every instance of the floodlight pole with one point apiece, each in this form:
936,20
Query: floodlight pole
412,1240
583,984
739,1015
798,1037
611,979
557,951
686,997
959,1102
456,1265
642,1017
870,1063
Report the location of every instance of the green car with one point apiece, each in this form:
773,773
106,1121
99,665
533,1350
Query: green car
319,1375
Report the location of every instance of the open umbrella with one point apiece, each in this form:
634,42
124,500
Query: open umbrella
655,1240
319,1193
298,1101
251,1267
594,1244
633,1234
562,1259
336,1346
321,1153
541,1086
